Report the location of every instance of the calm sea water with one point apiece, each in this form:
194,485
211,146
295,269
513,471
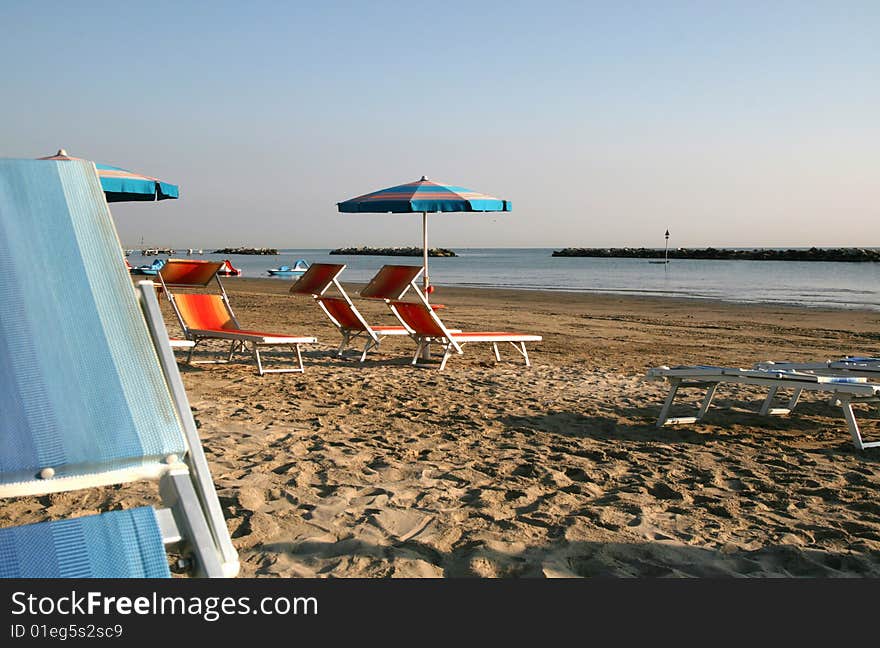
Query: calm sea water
821,284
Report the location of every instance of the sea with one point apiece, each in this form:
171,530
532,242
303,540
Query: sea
818,284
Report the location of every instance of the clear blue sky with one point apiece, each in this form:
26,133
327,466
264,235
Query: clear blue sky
731,123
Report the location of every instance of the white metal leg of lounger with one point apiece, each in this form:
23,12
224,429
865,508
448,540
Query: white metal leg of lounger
341,348
667,404
521,347
419,357
346,336
674,384
371,343
853,425
767,409
298,369
447,353
707,400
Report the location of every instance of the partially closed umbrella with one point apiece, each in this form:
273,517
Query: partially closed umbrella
121,185
424,196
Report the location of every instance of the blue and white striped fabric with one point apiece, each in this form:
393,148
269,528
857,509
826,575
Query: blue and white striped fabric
119,544
81,389
122,185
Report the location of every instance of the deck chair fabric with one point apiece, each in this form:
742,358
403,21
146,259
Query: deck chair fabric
207,316
843,390
392,282
341,311
420,318
44,550
89,390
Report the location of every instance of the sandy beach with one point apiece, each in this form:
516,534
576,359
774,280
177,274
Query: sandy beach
494,470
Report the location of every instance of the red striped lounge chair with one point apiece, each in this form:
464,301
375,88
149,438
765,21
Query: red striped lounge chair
316,281
204,316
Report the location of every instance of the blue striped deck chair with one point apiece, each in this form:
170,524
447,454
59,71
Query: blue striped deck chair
90,394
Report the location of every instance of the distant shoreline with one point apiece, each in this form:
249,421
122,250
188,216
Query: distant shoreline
394,251
848,255
247,250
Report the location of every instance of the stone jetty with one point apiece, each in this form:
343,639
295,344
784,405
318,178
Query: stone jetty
394,251
759,254
246,250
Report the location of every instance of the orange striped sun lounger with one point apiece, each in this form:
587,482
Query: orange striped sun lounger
316,281
420,318
204,316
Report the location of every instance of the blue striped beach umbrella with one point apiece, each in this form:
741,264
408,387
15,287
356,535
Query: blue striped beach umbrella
424,196
120,185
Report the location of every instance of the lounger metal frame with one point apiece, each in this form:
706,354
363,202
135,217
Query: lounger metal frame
843,395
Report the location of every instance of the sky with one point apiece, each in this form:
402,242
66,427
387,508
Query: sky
605,123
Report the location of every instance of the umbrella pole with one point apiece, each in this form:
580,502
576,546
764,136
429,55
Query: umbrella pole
426,352
425,280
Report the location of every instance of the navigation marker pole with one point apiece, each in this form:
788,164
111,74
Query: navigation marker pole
666,249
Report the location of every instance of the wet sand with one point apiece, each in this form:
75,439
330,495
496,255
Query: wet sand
381,469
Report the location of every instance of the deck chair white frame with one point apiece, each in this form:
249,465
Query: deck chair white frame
239,341
373,337
843,394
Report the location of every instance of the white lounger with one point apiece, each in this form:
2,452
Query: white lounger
845,390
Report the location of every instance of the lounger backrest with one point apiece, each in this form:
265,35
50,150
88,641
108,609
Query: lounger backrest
81,387
317,279
420,318
340,310
391,282
186,272
204,312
